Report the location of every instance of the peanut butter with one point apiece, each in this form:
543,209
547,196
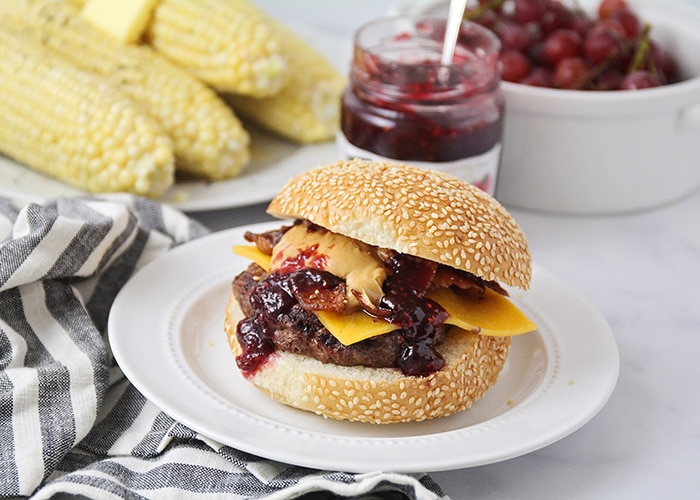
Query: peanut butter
352,260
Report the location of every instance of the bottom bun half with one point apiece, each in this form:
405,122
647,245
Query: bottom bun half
379,395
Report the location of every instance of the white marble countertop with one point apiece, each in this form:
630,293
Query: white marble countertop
642,271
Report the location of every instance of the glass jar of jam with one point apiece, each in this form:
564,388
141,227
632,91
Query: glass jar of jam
402,104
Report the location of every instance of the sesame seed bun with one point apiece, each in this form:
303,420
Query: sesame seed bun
379,395
412,210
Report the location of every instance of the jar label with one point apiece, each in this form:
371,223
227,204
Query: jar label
480,170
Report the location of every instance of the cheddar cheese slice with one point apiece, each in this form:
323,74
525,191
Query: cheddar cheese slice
252,253
354,327
490,314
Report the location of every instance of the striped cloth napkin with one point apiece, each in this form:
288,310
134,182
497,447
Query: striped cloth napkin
70,422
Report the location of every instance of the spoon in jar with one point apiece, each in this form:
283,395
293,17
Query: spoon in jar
454,22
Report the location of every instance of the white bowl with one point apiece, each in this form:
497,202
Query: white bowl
586,152
607,152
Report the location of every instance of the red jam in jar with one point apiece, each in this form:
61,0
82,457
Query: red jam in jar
402,104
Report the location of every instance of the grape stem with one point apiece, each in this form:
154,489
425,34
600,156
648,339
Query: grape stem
481,9
641,51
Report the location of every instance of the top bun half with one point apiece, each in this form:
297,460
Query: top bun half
412,210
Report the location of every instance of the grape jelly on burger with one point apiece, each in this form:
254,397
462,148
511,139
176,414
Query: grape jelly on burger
383,299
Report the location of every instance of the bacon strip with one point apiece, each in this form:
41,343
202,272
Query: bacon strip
266,241
448,276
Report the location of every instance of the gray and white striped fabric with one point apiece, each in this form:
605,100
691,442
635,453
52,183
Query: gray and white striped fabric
70,422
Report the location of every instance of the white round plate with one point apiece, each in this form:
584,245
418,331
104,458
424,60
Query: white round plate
273,162
166,331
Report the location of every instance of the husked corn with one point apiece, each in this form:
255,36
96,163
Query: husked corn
229,44
307,109
76,126
208,138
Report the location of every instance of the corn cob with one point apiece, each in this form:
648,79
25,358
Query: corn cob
307,109
76,126
229,44
208,138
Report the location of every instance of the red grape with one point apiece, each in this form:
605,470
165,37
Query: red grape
603,45
629,22
610,79
663,62
555,17
536,53
611,24
527,11
606,8
561,44
514,65
539,77
570,73
581,24
639,80
514,36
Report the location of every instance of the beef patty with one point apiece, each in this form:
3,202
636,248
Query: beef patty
300,331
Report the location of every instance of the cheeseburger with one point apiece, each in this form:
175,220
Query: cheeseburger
383,299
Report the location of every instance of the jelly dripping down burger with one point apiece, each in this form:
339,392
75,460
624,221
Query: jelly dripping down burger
383,298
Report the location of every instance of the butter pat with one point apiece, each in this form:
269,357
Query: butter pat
125,20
